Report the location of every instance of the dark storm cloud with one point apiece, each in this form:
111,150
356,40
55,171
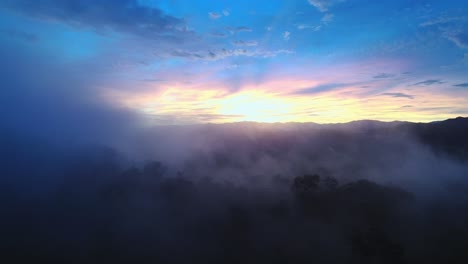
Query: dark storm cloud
119,15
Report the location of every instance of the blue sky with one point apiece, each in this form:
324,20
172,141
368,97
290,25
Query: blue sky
175,61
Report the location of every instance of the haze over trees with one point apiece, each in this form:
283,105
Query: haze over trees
181,131
362,192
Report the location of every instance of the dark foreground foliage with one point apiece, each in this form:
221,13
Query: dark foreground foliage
91,206
105,214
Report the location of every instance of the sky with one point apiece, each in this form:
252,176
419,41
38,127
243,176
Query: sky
186,62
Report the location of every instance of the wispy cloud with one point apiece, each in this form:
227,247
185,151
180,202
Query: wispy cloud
327,18
234,30
247,29
286,35
214,15
305,26
321,5
19,35
441,21
428,82
246,43
218,34
383,76
226,53
103,15
322,88
459,38
461,85
324,5
399,95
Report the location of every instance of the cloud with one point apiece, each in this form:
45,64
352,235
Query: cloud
286,35
322,88
327,18
321,5
232,66
18,34
214,15
461,85
441,20
234,30
436,109
459,38
247,29
384,76
324,5
153,80
246,43
117,15
399,95
218,34
187,54
226,53
51,101
168,119
429,82
303,26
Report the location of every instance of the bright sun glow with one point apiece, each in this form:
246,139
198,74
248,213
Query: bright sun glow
256,106
270,102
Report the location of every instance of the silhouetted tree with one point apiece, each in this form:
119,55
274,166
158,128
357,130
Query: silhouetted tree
306,185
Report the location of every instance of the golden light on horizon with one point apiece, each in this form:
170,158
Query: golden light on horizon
271,102
256,106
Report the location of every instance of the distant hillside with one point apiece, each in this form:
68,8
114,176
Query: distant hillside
449,136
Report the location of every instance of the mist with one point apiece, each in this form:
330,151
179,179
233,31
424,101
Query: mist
85,179
362,192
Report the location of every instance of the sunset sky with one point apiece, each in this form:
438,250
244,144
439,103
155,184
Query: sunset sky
187,61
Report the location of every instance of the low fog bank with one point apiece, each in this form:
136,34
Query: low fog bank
362,192
250,154
82,182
